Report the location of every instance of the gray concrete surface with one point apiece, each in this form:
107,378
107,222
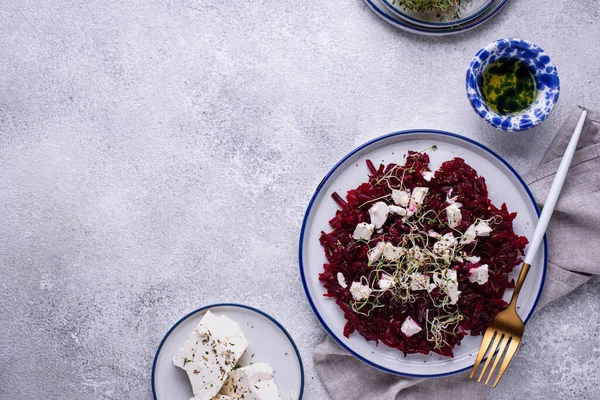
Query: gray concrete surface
158,156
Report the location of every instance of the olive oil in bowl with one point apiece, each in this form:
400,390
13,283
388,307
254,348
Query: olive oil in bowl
508,86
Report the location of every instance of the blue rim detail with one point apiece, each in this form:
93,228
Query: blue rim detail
471,17
437,32
264,314
318,190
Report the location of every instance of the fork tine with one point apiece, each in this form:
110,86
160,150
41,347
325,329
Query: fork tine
485,343
512,349
498,356
492,351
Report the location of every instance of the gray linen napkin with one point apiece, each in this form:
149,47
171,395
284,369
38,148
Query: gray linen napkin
575,224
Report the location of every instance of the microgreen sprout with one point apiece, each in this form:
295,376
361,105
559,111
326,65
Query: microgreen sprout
438,325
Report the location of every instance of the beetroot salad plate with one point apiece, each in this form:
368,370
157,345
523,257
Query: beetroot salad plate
411,245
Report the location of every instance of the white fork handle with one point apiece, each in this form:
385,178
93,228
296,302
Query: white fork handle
554,193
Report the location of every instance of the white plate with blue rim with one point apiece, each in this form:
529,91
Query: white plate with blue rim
393,16
268,342
504,186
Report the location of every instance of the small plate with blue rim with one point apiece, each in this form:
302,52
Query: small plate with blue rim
383,12
268,342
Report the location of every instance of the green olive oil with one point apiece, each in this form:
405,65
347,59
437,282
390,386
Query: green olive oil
508,86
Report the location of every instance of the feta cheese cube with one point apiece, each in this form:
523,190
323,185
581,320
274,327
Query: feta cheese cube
434,234
448,283
417,254
392,252
342,280
419,281
446,275
359,291
379,213
398,210
469,236
454,215
254,382
386,281
401,197
210,353
410,327
483,229
427,175
418,195
447,242
476,229
479,274
452,291
363,231
376,252
473,259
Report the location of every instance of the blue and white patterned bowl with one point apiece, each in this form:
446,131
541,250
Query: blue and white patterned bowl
546,77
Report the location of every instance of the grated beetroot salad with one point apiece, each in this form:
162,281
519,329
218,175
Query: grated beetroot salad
435,270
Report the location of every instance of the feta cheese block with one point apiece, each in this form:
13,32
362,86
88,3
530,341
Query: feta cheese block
417,254
469,236
254,382
479,274
454,215
483,229
401,197
386,282
410,327
342,280
445,244
434,234
418,195
379,213
392,252
363,231
210,353
419,281
448,283
376,252
473,259
398,210
359,291
474,230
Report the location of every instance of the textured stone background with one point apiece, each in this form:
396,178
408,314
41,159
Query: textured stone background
157,156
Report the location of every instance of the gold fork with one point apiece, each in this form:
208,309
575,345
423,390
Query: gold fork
507,328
